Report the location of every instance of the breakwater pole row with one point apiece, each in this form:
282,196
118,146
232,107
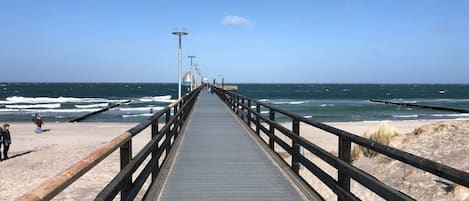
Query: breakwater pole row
83,117
421,106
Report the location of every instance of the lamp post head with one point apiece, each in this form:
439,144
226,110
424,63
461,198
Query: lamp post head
180,33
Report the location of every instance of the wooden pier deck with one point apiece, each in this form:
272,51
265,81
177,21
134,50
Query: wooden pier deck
218,160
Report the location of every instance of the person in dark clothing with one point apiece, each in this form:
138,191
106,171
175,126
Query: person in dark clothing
38,121
6,140
1,143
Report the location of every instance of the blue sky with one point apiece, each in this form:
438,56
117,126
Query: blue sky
294,41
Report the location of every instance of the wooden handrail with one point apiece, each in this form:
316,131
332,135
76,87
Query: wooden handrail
342,163
54,185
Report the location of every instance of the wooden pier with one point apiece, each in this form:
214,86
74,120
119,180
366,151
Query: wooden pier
210,149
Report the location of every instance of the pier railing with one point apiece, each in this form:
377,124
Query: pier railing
249,111
159,146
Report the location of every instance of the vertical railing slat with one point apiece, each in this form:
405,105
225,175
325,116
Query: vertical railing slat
272,129
258,111
345,155
295,163
154,133
125,157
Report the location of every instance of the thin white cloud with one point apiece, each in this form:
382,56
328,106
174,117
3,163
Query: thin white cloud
236,21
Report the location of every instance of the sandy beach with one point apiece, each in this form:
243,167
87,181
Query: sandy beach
36,157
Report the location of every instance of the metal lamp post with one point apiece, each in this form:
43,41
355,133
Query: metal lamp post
180,34
192,76
197,70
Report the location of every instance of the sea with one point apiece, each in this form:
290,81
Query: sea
60,102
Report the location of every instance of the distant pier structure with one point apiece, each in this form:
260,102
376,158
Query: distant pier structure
230,87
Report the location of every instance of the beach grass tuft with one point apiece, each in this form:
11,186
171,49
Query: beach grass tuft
383,136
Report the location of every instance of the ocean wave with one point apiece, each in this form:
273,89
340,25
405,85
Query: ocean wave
263,100
289,102
9,110
451,115
130,109
47,110
327,105
308,116
137,115
50,106
98,105
21,99
406,116
156,99
400,100
424,100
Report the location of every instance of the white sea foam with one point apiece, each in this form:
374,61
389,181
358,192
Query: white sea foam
406,116
451,115
130,109
9,110
56,110
137,115
166,98
289,102
98,105
326,105
20,99
49,106
308,116
264,112
264,100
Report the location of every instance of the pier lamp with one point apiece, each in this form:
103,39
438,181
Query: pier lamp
191,57
180,34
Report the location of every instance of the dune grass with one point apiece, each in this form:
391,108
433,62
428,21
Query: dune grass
383,136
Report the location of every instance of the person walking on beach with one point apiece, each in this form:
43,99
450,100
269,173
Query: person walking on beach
38,121
1,143
6,140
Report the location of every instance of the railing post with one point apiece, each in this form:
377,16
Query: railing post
237,105
176,117
231,102
242,109
154,156
295,164
168,116
345,155
125,157
249,113
258,110
271,128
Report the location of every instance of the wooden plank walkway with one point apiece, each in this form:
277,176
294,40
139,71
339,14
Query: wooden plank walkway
218,160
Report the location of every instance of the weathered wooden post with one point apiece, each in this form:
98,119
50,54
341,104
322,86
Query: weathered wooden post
154,155
242,109
258,111
271,128
295,163
125,157
345,155
249,113
237,105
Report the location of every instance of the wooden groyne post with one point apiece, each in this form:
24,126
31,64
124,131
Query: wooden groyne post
421,106
80,118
